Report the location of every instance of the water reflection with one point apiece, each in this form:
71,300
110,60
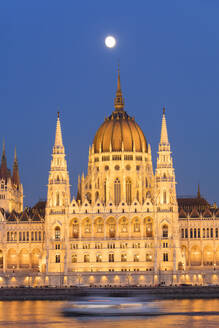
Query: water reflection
48,314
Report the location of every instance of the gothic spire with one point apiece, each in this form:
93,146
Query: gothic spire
15,175
164,135
119,101
58,137
5,173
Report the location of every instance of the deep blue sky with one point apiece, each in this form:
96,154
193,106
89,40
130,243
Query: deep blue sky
52,54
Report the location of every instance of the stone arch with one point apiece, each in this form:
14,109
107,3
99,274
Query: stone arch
86,227
35,259
148,227
24,259
208,256
136,225
195,256
123,225
99,225
111,227
74,228
12,259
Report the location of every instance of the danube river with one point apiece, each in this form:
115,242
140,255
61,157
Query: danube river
47,314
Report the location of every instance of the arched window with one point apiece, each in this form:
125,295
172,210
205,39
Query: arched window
104,191
98,258
88,196
149,230
136,258
164,197
165,231
128,191
57,233
117,191
123,258
57,199
74,258
86,258
146,182
96,196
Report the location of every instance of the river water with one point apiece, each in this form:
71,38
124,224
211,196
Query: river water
47,314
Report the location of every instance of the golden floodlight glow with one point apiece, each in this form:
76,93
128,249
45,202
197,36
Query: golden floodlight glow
110,41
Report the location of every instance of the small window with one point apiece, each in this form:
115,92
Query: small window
74,258
165,257
165,231
57,233
57,259
111,257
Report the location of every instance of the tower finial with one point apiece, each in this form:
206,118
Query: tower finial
118,101
15,154
164,135
58,113
58,136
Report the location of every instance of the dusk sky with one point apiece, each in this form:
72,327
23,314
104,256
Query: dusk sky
52,54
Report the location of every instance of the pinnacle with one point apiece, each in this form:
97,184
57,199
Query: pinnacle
164,135
58,137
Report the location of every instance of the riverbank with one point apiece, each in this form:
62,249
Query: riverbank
149,293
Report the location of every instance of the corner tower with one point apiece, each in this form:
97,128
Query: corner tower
57,206
168,257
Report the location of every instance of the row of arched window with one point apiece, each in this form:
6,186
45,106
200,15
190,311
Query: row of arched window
25,236
111,258
199,233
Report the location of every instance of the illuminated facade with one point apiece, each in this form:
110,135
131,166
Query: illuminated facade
125,226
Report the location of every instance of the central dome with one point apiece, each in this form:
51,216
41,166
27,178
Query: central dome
119,132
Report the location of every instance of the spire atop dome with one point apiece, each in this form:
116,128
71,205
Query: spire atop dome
164,135
119,101
58,137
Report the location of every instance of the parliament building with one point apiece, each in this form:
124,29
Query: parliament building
125,227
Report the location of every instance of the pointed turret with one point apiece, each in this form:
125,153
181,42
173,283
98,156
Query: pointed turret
164,135
5,172
58,137
165,175
15,175
119,101
58,187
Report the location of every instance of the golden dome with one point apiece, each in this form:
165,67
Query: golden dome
119,132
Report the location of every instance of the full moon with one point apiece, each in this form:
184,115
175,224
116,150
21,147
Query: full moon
110,41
